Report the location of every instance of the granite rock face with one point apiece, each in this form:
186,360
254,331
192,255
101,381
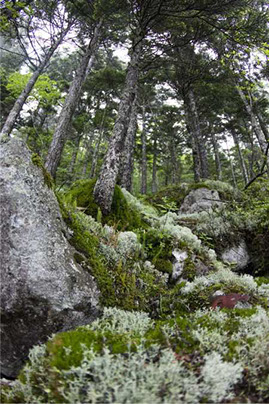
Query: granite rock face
43,290
201,199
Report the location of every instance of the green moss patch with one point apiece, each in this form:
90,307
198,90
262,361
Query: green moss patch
122,216
37,161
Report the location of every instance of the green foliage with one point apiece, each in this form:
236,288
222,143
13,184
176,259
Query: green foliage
45,91
122,216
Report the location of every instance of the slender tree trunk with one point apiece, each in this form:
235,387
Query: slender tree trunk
104,187
241,158
254,122
74,157
197,133
154,165
17,107
217,156
60,134
86,159
174,176
194,146
97,146
143,188
263,126
231,166
127,161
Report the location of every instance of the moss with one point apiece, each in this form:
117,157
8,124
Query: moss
189,270
65,350
261,280
120,286
48,180
122,216
163,265
157,245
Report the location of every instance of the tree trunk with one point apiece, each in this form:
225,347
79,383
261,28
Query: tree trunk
217,156
60,134
241,158
88,153
254,122
174,171
127,161
104,187
74,157
17,107
154,166
197,133
194,146
143,188
97,146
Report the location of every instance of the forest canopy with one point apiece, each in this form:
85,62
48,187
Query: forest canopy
140,93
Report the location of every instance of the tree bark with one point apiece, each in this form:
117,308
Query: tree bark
104,187
154,166
254,122
74,157
241,158
194,146
127,161
88,146
143,188
217,156
17,107
97,146
197,133
60,134
174,170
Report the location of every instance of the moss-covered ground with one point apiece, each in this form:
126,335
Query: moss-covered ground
158,340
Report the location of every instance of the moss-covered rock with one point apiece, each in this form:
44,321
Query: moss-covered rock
122,216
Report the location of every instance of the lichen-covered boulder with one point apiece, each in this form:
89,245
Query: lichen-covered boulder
43,290
237,255
201,199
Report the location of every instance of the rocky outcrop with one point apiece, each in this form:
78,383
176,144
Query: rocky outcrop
43,289
237,255
201,199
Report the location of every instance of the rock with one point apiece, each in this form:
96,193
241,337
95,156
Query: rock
201,199
43,289
229,301
237,255
178,265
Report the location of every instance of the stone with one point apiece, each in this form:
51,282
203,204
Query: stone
43,289
178,264
237,255
199,200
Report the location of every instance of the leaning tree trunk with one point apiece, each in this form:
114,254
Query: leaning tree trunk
154,166
254,122
143,189
17,107
241,158
60,134
104,187
127,160
197,133
217,156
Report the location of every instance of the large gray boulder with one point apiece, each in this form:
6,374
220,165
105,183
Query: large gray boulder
201,199
43,289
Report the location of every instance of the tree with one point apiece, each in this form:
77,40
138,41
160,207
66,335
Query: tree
56,38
